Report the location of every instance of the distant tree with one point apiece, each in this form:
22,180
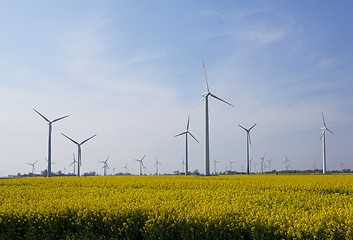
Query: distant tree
196,172
90,174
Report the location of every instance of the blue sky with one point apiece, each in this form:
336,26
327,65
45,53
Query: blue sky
131,71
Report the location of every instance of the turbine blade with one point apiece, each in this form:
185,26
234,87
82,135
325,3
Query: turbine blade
252,126
71,164
70,139
107,159
88,139
143,157
323,118
204,96
193,137
180,134
204,70
60,118
243,127
46,119
187,125
220,99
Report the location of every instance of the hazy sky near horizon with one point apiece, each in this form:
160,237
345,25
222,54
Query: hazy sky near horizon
131,72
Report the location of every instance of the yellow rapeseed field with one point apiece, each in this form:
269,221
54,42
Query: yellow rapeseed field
178,207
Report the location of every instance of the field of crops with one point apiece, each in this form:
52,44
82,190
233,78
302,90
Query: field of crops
178,207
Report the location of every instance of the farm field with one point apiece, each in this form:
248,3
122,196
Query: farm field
178,207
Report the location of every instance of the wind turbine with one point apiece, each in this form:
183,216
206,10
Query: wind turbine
323,129
230,165
215,166
49,141
342,164
186,143
248,142
126,168
74,162
207,137
269,165
287,162
105,166
156,164
141,163
79,162
33,167
262,163
182,164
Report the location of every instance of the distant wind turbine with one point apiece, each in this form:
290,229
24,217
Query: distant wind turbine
324,129
186,144
49,139
141,163
230,165
215,166
33,167
207,138
79,162
105,166
156,164
248,142
287,162
126,168
182,164
269,165
74,163
262,163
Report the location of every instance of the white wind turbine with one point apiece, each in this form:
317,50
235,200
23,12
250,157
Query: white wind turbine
287,162
141,163
49,139
248,142
262,163
269,165
207,138
105,166
33,167
215,166
230,165
182,165
79,162
186,144
74,163
126,168
324,129
156,164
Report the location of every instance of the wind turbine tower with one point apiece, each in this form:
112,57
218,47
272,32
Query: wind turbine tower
248,142
49,139
105,166
186,144
207,137
79,150
141,163
324,129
